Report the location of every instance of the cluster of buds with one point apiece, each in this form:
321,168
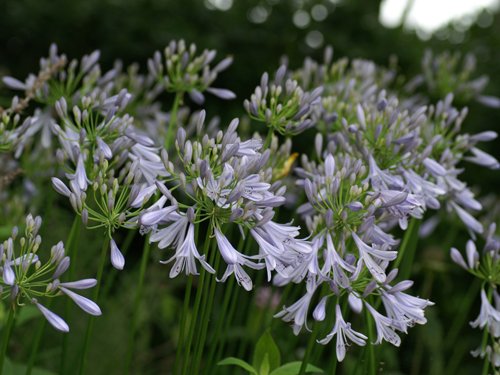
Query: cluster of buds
183,71
288,107
24,276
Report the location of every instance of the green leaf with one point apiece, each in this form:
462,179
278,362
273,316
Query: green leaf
264,367
26,313
12,368
237,362
293,368
267,345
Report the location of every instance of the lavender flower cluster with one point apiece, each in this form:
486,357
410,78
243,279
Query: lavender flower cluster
381,159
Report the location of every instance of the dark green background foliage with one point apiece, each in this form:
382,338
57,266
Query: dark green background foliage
132,30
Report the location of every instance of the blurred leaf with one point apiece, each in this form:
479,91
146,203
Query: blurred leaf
264,366
267,345
27,313
237,362
293,368
11,368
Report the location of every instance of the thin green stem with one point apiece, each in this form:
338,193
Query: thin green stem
485,339
408,248
72,250
371,354
268,139
222,316
206,318
185,308
41,326
94,297
173,118
220,322
462,314
310,344
6,338
144,261
196,307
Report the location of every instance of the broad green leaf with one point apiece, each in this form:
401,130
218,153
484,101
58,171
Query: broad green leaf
293,368
12,368
264,367
237,362
267,345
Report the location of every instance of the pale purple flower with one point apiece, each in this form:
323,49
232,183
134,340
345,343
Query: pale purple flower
173,235
365,253
319,313
117,258
80,175
297,313
154,217
60,187
470,222
222,93
434,167
186,255
482,158
148,191
55,320
383,180
235,260
343,331
355,302
385,328
80,284
488,316
90,307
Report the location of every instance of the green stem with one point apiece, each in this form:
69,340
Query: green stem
485,338
221,318
6,338
41,326
310,345
144,261
268,139
196,307
94,297
462,314
173,118
372,365
220,321
71,249
206,318
185,308
408,246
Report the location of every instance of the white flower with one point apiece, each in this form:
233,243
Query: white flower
343,329
186,255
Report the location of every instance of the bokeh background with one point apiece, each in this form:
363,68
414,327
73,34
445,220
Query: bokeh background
258,34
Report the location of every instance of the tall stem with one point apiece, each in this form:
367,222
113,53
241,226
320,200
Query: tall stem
268,139
196,307
185,308
94,297
407,249
371,349
41,326
144,261
173,118
310,345
206,319
72,250
6,338
485,338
